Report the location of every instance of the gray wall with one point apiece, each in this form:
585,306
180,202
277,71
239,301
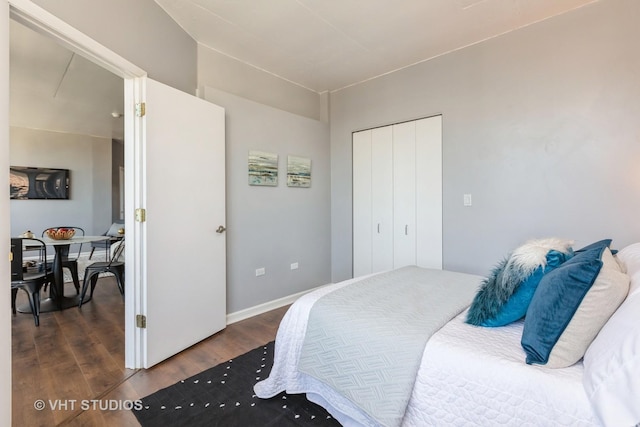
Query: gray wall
89,161
273,227
139,31
540,125
117,162
235,77
5,329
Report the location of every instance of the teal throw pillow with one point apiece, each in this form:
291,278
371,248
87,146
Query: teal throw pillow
516,307
492,308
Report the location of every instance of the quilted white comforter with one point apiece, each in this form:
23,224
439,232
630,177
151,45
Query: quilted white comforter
468,376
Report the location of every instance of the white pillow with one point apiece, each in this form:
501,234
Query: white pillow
630,258
612,361
608,261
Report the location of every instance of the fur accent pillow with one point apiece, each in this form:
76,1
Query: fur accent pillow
505,295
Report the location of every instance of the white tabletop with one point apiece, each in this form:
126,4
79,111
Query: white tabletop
74,240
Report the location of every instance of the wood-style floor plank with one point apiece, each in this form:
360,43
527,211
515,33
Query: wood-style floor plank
78,355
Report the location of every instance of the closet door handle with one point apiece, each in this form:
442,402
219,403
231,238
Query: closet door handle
406,230
378,228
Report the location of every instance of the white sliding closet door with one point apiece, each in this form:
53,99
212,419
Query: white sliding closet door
362,214
382,198
429,192
404,194
397,196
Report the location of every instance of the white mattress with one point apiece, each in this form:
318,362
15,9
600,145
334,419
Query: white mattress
469,376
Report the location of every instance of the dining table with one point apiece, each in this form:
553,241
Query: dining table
57,301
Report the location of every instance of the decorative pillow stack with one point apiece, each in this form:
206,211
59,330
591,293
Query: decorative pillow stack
611,363
505,295
571,304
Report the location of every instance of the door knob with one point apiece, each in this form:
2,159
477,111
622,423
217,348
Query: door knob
220,229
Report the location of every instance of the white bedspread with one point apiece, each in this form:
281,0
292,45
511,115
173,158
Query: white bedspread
366,340
477,376
468,376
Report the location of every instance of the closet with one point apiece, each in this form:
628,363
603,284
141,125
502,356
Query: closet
397,196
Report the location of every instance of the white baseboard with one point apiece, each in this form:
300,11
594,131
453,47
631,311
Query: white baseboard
267,306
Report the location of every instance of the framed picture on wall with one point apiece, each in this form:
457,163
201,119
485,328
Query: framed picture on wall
298,171
263,168
38,183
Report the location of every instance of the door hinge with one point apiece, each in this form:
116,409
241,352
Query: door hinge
141,321
141,109
141,215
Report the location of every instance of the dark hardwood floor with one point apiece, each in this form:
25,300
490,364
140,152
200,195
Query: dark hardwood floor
77,356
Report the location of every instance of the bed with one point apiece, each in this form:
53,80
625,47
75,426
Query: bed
474,375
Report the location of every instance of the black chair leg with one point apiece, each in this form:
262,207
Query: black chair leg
73,268
94,282
14,294
120,281
85,285
34,308
37,300
91,254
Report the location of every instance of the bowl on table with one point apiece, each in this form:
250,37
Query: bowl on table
61,233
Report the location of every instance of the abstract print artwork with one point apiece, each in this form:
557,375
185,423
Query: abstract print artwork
298,171
263,168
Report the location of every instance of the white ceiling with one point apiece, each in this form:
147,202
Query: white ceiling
54,89
324,45
320,45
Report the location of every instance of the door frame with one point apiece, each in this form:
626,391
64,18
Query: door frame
45,23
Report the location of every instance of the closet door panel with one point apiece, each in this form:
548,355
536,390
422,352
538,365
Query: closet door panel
382,198
404,194
362,214
429,192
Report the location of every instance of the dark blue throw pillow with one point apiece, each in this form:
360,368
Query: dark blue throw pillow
601,244
556,300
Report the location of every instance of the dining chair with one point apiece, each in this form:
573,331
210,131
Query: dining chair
69,263
30,279
114,266
115,233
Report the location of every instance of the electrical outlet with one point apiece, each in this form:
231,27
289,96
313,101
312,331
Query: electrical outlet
467,200
260,272
294,266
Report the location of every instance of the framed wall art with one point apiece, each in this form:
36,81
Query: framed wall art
38,183
298,171
263,168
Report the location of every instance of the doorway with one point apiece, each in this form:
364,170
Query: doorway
57,120
47,25
197,133
188,143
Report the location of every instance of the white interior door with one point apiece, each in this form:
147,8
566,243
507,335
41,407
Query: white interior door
184,286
